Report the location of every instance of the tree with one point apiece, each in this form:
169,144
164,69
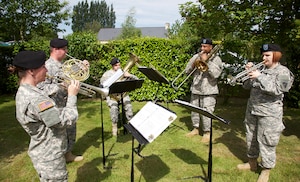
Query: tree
244,26
87,17
22,20
128,27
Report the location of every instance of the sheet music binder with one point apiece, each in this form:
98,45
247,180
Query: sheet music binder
150,122
136,134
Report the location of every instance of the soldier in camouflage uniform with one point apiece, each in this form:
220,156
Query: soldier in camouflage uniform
41,118
204,88
58,51
114,99
263,118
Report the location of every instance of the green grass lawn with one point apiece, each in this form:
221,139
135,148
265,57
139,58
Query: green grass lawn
170,157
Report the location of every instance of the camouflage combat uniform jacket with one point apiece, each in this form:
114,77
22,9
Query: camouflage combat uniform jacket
51,87
46,126
205,83
267,91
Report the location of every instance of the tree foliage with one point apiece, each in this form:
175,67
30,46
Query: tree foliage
22,20
243,26
128,27
92,16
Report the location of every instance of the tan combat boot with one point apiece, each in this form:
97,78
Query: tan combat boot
115,129
194,132
205,137
72,158
250,165
264,175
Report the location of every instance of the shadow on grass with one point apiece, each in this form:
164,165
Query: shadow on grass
235,145
90,172
151,165
190,158
90,138
186,120
291,119
13,139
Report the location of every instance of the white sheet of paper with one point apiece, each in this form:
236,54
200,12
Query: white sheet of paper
113,78
152,120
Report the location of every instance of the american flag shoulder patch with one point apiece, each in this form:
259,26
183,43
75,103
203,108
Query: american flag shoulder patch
45,105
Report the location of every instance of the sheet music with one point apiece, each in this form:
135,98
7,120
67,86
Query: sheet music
113,78
152,120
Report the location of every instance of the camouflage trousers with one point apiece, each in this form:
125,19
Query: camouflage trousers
262,137
114,108
71,137
51,171
206,102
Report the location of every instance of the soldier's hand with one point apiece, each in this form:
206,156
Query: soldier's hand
204,57
254,74
74,87
249,65
127,74
86,64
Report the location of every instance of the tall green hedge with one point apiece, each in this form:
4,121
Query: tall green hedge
165,55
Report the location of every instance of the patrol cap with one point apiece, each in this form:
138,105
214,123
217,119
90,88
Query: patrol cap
206,41
114,61
58,43
30,59
270,47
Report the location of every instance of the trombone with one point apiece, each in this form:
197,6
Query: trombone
199,65
244,75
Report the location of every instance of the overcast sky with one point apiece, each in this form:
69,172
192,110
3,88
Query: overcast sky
148,13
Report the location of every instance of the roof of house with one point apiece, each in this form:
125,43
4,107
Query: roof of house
107,34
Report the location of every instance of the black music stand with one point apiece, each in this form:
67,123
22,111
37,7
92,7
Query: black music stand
154,75
138,126
118,87
122,87
211,116
102,137
142,142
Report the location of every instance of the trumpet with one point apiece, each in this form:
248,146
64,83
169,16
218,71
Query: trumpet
199,65
244,75
85,89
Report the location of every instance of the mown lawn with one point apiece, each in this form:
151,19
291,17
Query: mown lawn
170,157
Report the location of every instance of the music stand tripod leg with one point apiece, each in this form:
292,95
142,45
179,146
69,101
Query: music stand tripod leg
210,154
132,160
102,137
